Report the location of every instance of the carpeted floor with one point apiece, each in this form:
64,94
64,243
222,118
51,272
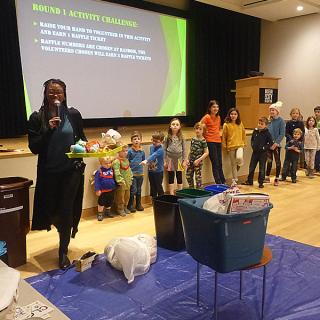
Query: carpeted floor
168,290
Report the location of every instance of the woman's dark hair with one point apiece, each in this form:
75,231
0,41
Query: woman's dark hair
315,122
45,102
228,119
211,103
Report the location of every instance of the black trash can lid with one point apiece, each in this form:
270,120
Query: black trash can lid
10,183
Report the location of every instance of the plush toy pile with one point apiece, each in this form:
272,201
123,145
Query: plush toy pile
108,142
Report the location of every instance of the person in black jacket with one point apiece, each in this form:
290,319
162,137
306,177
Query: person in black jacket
59,187
261,141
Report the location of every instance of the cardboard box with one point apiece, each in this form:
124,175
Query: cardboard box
246,202
85,262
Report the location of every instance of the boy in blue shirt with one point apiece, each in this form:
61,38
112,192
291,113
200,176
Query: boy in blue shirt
136,155
155,164
104,186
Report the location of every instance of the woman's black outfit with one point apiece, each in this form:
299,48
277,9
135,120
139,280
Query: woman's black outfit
60,180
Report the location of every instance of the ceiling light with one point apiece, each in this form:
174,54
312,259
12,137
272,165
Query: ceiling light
299,8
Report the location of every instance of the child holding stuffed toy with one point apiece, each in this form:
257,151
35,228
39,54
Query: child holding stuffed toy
136,155
123,177
104,186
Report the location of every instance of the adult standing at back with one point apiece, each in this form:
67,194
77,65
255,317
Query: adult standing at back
59,188
212,121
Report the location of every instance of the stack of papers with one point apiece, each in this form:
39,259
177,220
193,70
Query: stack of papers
35,309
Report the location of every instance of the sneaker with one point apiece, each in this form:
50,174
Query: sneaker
100,216
108,213
266,180
122,213
276,182
261,185
283,179
247,183
233,183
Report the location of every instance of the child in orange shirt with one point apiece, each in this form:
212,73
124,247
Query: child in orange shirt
212,121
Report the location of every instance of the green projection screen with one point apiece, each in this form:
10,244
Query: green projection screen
117,61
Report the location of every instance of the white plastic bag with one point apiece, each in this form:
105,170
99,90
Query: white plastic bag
9,282
132,255
216,203
219,203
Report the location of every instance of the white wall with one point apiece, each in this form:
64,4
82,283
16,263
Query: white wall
290,49
26,166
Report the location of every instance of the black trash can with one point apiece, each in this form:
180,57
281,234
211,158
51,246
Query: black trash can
14,218
168,222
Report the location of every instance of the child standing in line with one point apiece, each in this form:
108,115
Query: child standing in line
294,123
233,141
136,155
276,128
212,121
175,154
104,186
311,145
123,177
317,117
293,149
261,141
198,152
155,164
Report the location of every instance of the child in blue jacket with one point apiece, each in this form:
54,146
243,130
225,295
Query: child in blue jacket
136,155
104,186
277,128
155,163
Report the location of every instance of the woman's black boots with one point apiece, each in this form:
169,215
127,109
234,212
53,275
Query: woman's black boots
64,261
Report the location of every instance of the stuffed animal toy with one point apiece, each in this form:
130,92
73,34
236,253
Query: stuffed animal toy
114,134
79,147
93,146
110,139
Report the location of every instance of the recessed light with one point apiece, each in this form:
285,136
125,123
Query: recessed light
299,8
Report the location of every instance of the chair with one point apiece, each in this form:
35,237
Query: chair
225,243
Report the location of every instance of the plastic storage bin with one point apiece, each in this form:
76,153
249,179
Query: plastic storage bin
192,193
3,252
168,222
14,217
227,241
216,188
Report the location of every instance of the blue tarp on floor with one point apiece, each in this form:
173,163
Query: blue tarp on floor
168,290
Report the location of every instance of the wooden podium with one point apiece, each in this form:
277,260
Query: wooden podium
253,98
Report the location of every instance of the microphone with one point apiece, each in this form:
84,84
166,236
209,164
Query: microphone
57,103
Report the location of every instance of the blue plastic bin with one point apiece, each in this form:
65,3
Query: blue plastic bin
167,222
216,188
233,241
